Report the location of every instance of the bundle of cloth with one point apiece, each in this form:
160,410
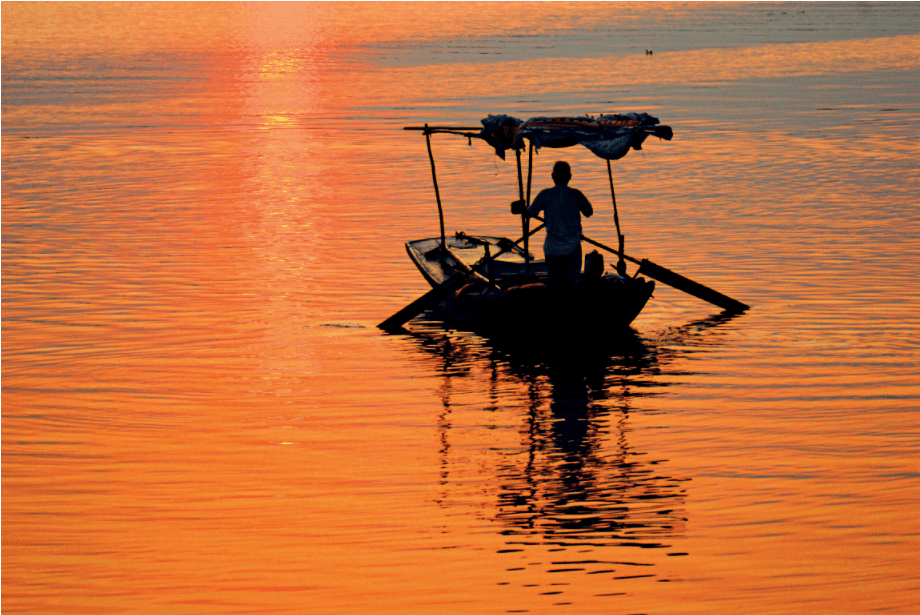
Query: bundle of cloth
609,136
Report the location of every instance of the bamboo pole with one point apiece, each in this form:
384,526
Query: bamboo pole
621,264
613,195
437,193
517,153
525,217
439,128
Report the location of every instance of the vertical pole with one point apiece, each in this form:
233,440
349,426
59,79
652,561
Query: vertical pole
517,153
525,217
621,263
437,194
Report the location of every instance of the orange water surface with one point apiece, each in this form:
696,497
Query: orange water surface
204,211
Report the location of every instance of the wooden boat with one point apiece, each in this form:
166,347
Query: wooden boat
497,283
512,291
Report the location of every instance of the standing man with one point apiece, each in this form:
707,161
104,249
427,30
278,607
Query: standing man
564,207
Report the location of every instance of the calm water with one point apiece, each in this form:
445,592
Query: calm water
204,210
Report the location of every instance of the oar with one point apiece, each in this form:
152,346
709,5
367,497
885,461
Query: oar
426,301
429,299
675,280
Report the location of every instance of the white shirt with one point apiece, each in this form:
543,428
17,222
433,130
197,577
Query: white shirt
563,207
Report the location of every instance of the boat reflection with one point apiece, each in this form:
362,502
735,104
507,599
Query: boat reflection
571,479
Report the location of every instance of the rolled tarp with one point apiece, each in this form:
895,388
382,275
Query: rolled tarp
608,136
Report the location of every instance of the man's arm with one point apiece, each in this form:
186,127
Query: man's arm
586,208
535,206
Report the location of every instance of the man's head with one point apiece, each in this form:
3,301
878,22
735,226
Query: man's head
562,173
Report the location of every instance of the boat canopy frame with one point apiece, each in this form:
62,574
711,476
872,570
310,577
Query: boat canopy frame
608,136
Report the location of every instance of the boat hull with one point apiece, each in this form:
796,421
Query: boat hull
519,296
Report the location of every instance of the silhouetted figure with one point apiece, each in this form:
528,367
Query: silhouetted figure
564,207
